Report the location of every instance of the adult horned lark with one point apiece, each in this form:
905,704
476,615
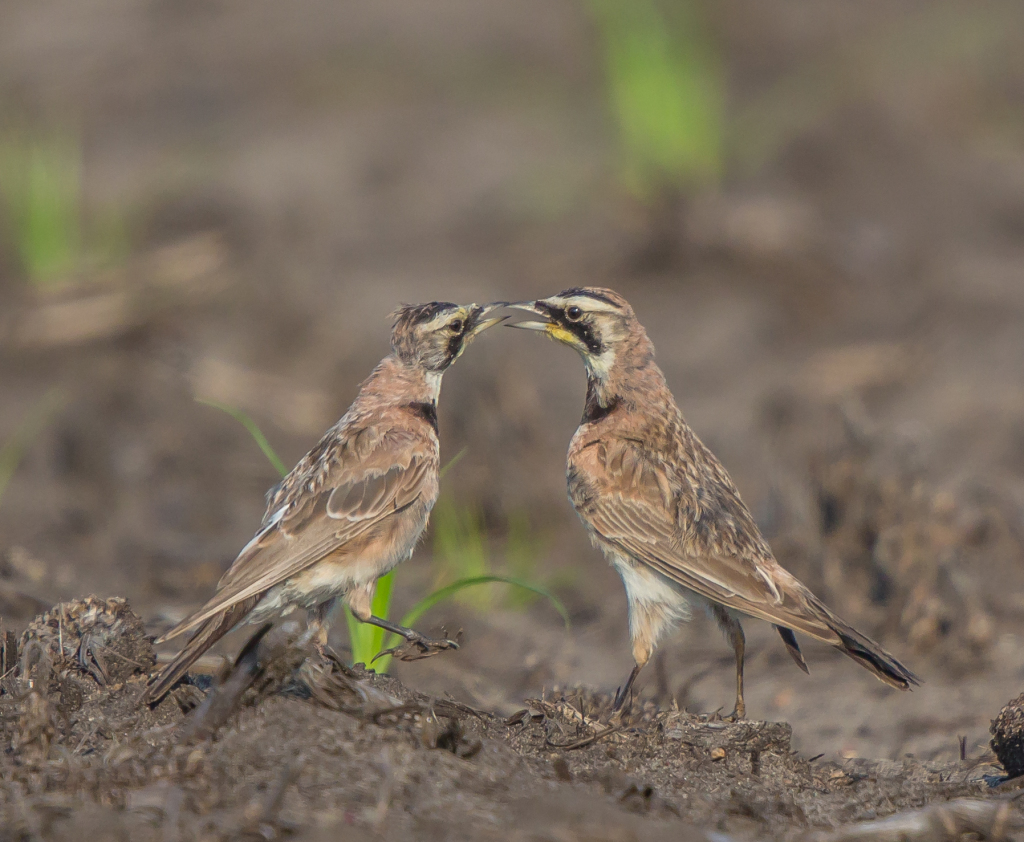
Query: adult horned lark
354,506
662,508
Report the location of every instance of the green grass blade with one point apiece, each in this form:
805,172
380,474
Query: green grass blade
452,462
460,547
41,185
666,91
14,448
366,639
355,637
441,594
448,591
254,431
381,607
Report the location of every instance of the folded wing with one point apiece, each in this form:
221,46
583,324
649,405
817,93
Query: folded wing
319,515
703,538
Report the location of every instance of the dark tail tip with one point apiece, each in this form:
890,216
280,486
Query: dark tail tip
793,647
205,636
868,653
163,682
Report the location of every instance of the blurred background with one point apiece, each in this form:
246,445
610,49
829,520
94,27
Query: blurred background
816,209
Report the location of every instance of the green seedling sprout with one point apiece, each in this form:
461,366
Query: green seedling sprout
666,91
41,182
42,188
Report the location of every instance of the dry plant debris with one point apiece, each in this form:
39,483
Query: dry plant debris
101,638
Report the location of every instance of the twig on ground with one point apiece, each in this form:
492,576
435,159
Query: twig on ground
586,741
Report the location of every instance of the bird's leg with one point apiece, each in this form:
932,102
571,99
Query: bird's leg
317,629
739,643
643,629
734,631
359,601
623,694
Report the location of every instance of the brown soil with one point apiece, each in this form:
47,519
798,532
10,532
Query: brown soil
285,745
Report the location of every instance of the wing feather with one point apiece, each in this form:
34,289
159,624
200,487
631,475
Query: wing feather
363,488
620,492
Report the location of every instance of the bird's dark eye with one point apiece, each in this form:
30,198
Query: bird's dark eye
574,313
455,326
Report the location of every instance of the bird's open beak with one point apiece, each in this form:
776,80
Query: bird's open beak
480,324
530,307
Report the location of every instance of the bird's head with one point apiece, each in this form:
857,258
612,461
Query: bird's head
598,323
434,335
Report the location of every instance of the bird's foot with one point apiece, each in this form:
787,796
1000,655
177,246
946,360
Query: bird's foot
739,713
418,646
326,653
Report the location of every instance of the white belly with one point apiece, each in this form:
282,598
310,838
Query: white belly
649,588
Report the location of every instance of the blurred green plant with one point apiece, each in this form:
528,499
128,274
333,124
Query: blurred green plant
368,641
666,90
522,549
460,548
461,552
41,182
254,431
13,450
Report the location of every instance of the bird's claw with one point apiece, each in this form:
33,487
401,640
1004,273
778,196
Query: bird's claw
417,647
619,705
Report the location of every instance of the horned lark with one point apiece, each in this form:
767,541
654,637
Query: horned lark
662,508
354,506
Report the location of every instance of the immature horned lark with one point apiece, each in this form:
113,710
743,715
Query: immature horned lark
354,506
663,510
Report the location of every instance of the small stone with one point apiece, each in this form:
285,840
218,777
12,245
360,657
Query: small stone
718,753
193,761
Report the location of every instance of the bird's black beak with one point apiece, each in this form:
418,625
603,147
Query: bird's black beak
479,324
531,307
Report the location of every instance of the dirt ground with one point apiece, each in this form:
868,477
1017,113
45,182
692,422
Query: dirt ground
285,745
840,322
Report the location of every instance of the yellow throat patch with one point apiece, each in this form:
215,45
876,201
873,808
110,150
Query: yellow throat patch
562,335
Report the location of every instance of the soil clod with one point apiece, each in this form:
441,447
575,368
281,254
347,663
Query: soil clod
1008,737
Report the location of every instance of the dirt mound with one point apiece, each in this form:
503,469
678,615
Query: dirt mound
104,639
1008,737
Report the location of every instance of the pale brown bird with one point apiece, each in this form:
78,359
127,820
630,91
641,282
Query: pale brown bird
662,508
354,506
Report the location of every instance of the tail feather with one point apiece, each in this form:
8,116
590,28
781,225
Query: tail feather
208,634
868,653
793,647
